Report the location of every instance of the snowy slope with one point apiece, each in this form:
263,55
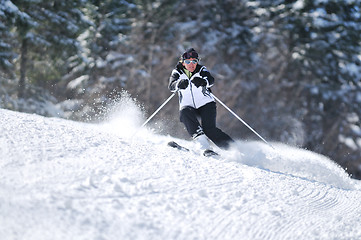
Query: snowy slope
66,180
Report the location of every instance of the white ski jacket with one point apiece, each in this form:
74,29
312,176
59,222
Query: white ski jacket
192,96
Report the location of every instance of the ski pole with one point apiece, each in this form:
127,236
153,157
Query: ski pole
240,119
156,111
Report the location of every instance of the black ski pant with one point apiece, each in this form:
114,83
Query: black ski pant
207,114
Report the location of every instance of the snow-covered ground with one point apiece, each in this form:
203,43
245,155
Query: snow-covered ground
67,180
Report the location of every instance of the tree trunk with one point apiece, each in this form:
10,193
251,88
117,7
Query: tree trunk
24,52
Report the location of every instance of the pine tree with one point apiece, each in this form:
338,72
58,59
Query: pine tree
315,47
46,32
8,14
109,25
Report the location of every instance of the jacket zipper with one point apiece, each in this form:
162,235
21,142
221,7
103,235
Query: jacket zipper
190,88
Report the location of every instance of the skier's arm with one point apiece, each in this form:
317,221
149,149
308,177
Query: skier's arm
207,76
175,83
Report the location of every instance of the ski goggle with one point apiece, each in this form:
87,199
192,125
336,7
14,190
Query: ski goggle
191,61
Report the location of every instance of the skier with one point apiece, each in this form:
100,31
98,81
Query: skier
193,83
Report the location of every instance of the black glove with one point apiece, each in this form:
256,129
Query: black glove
199,81
183,84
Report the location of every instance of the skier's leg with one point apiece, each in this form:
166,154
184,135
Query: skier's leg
208,115
188,116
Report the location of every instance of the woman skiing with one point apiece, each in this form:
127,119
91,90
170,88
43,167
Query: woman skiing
192,81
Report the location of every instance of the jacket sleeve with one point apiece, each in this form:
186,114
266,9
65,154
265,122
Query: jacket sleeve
207,75
173,81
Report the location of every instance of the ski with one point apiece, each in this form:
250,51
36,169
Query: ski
177,146
206,153
210,153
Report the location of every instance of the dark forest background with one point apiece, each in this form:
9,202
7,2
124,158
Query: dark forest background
291,69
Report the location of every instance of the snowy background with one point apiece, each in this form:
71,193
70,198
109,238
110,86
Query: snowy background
290,68
61,179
